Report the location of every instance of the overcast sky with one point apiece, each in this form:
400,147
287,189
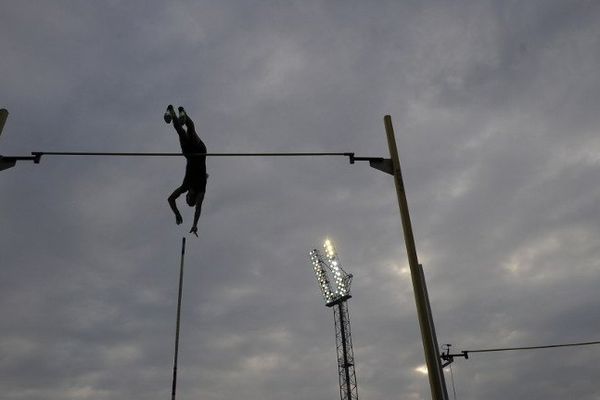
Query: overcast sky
495,106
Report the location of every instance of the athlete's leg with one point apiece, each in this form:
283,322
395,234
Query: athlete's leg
184,138
176,193
184,118
176,122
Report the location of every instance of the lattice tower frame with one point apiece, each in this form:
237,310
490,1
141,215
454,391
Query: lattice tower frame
345,351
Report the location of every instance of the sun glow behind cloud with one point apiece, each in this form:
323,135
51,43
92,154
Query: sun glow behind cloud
422,369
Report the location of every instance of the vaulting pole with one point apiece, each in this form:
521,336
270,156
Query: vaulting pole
432,356
174,388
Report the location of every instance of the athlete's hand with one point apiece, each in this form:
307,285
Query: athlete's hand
194,230
178,219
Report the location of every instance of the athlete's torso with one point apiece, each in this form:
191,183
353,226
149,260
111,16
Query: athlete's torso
195,169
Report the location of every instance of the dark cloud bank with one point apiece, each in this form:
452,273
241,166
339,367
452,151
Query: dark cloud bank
495,108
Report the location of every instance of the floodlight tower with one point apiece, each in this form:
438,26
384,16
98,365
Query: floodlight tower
327,268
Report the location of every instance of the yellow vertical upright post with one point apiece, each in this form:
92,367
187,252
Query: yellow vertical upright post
432,357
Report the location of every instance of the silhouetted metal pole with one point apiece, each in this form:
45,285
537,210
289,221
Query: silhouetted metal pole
432,356
174,388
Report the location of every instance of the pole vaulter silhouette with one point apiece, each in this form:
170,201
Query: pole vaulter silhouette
194,181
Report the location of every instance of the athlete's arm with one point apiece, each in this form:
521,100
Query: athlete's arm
199,201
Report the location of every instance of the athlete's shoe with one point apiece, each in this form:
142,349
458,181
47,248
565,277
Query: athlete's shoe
169,114
182,116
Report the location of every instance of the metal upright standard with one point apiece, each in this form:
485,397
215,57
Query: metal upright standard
326,268
437,382
391,166
9,162
3,117
174,387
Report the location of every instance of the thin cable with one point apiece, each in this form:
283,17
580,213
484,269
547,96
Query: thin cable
532,347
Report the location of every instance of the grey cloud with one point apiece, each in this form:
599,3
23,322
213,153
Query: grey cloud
494,105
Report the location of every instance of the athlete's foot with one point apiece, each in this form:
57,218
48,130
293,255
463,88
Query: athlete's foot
182,115
169,114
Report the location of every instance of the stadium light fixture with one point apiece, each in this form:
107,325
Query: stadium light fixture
333,281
